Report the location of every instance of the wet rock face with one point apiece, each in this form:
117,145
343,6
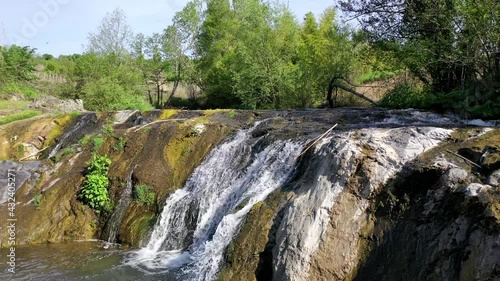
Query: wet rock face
380,198
21,172
359,162
382,204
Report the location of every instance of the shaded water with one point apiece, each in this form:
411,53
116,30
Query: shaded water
76,261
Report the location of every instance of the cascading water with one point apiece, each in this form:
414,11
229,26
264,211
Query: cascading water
86,119
112,226
201,219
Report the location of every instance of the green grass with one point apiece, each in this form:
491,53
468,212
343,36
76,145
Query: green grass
86,139
67,151
19,88
19,116
11,104
374,76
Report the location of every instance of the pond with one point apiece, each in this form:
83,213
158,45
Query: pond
89,260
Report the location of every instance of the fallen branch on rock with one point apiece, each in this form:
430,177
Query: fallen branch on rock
463,158
316,141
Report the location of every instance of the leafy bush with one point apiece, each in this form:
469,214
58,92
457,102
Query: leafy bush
406,96
94,191
144,195
108,94
374,76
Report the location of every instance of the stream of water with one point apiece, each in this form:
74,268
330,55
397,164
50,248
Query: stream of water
197,223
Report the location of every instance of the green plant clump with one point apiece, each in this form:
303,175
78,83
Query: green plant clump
68,151
85,139
107,130
144,195
94,191
120,144
98,142
37,200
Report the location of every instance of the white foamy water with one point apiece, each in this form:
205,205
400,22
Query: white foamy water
200,220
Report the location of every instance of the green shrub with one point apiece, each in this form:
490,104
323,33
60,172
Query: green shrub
406,96
19,116
94,191
98,142
144,195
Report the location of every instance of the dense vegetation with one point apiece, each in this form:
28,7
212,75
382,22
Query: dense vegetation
258,54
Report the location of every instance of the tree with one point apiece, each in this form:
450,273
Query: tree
113,35
215,51
17,62
325,51
447,44
164,58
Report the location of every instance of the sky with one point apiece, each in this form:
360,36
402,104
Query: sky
60,27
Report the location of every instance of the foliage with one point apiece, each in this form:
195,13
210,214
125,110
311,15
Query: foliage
97,142
94,191
107,83
107,130
144,195
407,96
86,139
120,144
68,151
374,76
25,114
16,63
19,88
449,45
37,200
113,35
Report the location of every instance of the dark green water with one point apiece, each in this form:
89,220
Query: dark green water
76,261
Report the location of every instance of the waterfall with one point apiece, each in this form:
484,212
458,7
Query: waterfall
201,219
75,130
113,224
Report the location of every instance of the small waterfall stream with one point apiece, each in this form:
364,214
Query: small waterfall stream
84,120
113,224
201,219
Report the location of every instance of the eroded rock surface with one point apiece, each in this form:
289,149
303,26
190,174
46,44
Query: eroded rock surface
388,195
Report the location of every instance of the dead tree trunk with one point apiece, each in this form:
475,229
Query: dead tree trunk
334,85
